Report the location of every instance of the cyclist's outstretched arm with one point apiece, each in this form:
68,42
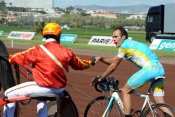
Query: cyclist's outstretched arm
105,60
115,61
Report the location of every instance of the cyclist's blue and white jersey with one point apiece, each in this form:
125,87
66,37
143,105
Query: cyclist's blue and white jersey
137,52
142,56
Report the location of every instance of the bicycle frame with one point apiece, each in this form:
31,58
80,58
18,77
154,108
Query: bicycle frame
116,98
146,101
111,97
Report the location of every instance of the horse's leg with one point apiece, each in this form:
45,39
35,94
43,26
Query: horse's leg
6,73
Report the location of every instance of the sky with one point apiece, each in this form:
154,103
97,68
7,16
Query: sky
66,3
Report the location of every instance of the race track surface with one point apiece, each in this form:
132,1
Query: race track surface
81,91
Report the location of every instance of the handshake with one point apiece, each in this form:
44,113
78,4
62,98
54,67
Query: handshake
95,59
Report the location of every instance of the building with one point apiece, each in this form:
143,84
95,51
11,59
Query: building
102,13
42,4
2,15
136,16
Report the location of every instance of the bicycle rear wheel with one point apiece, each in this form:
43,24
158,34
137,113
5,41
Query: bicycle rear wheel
98,105
158,112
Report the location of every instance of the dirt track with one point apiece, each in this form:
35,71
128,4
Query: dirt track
82,93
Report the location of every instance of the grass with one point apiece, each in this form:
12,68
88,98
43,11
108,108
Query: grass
83,38
84,34
84,46
7,28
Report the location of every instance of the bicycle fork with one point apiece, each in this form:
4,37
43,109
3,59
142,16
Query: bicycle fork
115,97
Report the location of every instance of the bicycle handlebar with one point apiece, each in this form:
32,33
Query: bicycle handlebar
106,84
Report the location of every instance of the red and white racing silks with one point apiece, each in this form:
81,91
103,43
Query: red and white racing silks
45,71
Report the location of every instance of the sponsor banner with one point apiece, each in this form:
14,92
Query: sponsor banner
163,44
101,40
68,38
21,35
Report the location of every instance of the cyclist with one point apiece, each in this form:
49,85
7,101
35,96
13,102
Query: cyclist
139,54
48,76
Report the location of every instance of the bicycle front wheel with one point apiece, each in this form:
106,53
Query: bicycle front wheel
159,110
98,105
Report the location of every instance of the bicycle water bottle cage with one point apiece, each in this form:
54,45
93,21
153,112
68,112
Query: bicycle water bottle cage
107,84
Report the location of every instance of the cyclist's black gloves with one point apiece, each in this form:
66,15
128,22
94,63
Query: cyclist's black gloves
95,80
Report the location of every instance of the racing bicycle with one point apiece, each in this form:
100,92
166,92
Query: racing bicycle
111,105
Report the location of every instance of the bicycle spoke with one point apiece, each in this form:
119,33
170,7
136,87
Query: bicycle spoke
97,107
158,111
136,113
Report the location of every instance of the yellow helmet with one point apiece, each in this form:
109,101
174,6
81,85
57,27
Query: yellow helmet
51,29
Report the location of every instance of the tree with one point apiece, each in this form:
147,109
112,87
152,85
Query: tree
3,6
3,12
69,9
38,26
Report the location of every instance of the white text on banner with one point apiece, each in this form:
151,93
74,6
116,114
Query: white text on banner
101,40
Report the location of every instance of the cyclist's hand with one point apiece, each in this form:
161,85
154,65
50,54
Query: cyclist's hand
95,80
